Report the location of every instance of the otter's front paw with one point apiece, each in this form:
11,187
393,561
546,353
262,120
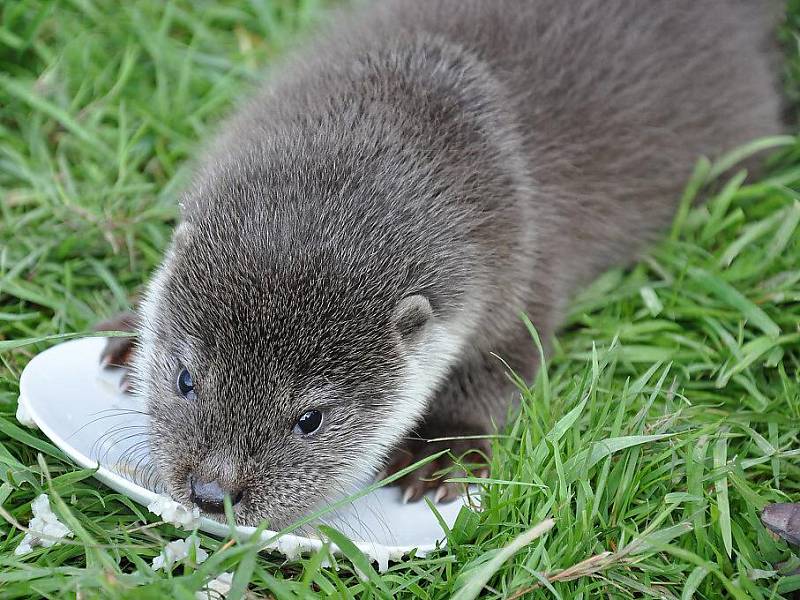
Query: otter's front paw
118,350
464,456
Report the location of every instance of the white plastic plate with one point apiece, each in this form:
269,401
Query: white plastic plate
78,406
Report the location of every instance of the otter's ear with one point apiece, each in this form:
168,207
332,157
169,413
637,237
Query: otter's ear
183,231
410,316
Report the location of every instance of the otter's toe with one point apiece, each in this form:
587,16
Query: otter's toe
464,457
118,350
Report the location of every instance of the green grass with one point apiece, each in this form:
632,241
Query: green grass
667,417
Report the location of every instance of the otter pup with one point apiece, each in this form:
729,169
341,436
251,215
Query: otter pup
361,237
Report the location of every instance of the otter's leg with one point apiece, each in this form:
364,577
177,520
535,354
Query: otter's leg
471,405
118,350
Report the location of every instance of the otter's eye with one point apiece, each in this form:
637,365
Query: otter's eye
185,385
309,422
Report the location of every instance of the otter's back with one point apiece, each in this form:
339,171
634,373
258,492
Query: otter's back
616,100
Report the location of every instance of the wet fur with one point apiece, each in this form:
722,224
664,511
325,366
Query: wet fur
489,156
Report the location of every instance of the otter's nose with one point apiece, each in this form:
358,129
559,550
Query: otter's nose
209,495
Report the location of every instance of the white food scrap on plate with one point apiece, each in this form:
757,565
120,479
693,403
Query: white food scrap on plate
175,513
290,546
24,417
216,589
44,529
177,551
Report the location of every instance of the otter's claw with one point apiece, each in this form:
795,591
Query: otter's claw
125,383
463,456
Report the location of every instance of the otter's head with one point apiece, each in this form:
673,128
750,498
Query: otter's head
279,367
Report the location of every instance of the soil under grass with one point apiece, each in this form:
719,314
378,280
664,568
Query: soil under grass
667,417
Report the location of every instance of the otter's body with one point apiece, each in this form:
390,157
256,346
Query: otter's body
362,236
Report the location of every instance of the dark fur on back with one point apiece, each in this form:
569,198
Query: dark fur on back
487,156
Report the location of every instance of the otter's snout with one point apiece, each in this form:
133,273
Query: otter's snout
209,496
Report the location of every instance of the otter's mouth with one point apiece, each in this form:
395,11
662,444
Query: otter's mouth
209,498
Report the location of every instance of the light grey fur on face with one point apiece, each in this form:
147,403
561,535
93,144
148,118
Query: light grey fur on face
362,235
